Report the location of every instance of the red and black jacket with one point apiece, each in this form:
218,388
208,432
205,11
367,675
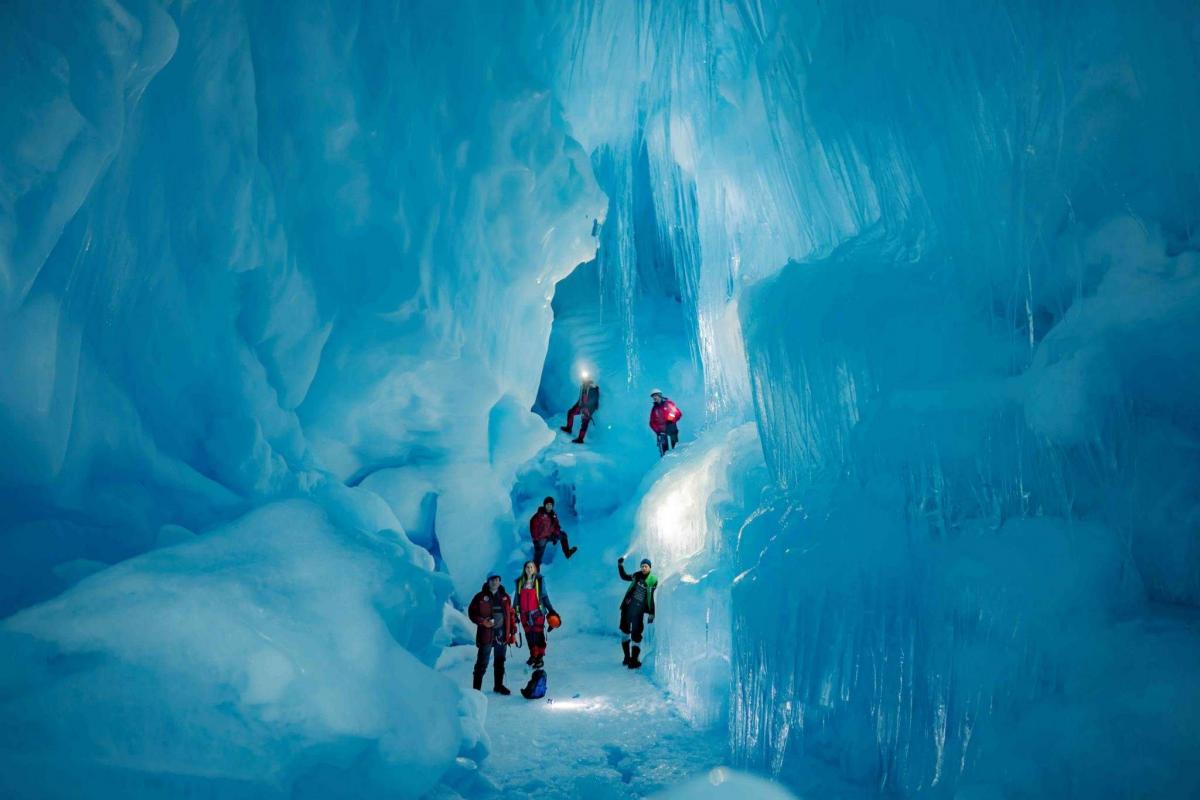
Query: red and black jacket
481,609
663,414
544,525
589,398
544,607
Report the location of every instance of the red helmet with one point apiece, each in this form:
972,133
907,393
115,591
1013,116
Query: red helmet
553,621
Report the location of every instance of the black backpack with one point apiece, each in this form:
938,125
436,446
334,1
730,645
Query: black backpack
536,688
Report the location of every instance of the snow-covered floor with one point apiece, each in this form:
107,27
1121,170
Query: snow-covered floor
601,731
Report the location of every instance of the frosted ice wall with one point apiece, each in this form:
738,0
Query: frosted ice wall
252,251
688,521
949,254
312,294
944,255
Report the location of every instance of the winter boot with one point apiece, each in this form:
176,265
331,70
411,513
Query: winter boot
625,647
538,663
477,682
570,551
634,662
578,440
499,687
565,429
529,661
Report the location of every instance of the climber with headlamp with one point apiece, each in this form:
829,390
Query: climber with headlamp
586,406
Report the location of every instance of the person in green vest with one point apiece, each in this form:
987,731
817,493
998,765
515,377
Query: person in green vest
638,602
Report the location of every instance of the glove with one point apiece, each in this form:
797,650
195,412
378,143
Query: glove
651,620
621,560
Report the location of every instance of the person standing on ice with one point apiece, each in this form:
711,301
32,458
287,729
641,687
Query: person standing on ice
587,405
492,612
639,601
664,415
536,612
544,529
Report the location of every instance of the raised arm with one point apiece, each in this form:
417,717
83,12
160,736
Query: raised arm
625,576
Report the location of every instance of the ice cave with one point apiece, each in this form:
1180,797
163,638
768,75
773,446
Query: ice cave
883,317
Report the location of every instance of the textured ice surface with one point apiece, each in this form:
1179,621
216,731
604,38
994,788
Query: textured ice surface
688,522
248,252
958,249
721,783
266,262
224,281
287,648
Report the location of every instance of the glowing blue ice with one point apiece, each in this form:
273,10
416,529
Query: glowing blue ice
280,284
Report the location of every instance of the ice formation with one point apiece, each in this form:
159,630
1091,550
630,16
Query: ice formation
293,297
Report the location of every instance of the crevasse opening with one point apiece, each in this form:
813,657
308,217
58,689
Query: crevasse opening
295,297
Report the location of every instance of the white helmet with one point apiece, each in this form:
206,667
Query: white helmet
655,392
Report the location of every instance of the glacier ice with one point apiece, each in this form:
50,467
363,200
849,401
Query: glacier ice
293,296
946,257
246,257
115,685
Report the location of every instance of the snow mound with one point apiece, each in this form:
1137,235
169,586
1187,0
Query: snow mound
273,653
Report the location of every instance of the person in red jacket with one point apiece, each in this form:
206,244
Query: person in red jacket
587,405
496,628
544,529
663,418
535,610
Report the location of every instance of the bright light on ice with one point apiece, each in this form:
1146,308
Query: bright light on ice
585,370
591,705
674,517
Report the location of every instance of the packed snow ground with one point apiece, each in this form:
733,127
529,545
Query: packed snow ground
602,731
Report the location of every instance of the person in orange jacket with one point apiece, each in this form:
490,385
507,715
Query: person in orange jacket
496,628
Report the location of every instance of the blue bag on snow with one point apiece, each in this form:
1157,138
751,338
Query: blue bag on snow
536,688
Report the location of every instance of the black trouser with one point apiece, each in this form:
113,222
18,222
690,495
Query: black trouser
485,654
539,547
668,438
633,622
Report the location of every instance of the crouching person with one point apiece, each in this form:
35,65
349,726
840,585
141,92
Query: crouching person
544,530
496,628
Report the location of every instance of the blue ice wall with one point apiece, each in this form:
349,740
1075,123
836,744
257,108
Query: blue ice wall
958,245
253,254
274,271
979,411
